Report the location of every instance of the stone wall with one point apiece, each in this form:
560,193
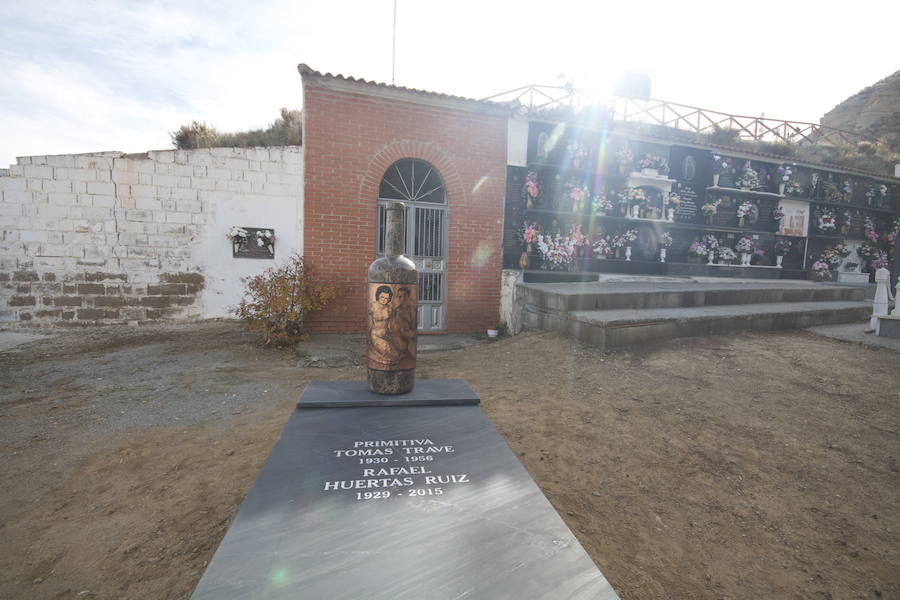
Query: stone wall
110,237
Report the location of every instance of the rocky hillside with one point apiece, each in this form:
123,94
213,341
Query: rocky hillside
874,111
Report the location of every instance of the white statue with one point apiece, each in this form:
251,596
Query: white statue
880,306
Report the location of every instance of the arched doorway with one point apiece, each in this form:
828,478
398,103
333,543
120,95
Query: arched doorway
419,185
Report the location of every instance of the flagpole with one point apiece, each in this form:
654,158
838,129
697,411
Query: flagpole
394,47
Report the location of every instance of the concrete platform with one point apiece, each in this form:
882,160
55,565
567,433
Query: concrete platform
623,312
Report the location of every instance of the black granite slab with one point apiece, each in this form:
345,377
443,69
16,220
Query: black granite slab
427,392
454,515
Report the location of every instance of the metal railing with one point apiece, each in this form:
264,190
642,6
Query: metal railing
701,120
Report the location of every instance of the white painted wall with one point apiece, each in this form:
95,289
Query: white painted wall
517,143
139,223
276,205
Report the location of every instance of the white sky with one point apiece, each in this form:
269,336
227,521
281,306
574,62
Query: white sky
100,75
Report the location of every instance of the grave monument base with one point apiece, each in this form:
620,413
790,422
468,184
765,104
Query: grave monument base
418,499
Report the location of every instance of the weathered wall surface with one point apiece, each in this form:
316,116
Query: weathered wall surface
108,237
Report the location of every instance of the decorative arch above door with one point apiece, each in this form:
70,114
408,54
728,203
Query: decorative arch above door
418,184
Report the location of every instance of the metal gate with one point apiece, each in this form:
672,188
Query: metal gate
425,243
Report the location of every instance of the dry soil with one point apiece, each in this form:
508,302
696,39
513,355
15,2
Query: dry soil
758,466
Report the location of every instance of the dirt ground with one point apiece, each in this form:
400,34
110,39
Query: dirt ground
759,466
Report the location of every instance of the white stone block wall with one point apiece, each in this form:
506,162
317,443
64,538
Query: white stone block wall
110,237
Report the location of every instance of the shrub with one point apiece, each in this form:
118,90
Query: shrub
277,301
286,130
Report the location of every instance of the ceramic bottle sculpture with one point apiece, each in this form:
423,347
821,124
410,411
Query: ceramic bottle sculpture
392,300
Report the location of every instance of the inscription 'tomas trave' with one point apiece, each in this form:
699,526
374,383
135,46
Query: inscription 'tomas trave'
416,458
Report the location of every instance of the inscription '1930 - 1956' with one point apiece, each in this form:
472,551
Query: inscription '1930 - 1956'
414,475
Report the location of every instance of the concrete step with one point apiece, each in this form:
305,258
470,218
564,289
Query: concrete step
626,327
567,297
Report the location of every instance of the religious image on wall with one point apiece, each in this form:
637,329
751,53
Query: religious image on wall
796,218
392,325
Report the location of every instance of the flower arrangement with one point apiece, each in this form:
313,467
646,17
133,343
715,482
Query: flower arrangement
870,194
827,221
529,233
835,255
784,173
821,270
725,254
871,234
848,189
778,213
601,203
625,156
881,260
745,209
237,234
748,179
627,237
721,164
578,238
577,193
882,190
665,240
556,250
698,248
867,251
632,196
602,247
710,241
265,238
792,188
782,247
577,152
711,208
672,199
653,161
745,245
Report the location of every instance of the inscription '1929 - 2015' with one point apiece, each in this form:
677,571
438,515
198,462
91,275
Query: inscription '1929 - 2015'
414,475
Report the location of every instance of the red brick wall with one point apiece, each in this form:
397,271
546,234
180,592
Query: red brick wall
350,139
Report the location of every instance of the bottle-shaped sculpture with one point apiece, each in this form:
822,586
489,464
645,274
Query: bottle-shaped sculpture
392,300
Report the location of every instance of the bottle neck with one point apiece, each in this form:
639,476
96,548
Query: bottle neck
393,229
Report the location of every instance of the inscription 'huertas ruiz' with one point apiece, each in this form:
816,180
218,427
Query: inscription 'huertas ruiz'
395,469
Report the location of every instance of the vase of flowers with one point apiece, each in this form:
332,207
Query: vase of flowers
601,204
628,238
557,251
697,251
578,153
710,209
671,201
721,165
532,189
782,247
578,239
821,271
665,241
602,248
529,238
748,179
577,194
726,255
265,238
238,237
653,165
711,243
745,246
744,210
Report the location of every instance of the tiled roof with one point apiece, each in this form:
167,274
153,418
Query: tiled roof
305,69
